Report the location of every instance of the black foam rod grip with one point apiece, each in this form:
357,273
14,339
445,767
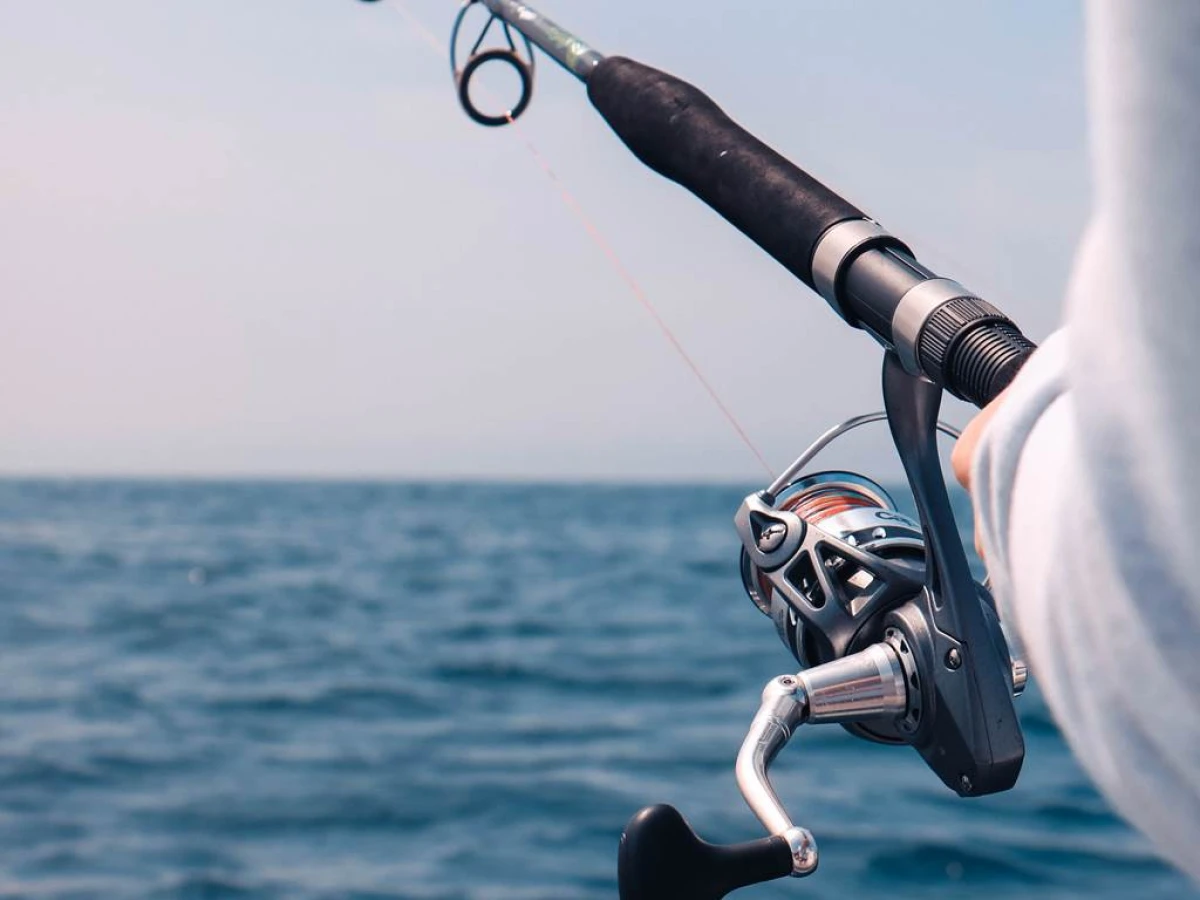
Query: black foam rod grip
661,858
679,132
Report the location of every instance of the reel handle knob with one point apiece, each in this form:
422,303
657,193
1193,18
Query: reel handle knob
661,858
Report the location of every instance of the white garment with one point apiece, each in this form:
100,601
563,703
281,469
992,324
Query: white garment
1087,480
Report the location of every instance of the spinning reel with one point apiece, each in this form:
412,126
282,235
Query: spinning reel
823,553
509,54
899,645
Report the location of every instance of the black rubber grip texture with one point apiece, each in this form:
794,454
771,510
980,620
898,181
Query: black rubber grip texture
972,349
679,132
661,858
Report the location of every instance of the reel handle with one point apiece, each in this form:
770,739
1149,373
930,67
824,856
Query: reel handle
662,858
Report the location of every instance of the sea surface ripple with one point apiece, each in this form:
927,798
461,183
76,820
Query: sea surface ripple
334,690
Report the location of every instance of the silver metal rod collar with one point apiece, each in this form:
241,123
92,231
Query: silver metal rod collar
913,311
835,249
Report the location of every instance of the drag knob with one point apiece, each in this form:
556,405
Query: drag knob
661,858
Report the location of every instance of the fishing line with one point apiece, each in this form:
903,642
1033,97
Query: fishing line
605,247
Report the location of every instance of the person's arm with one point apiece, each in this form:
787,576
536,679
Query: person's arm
1086,480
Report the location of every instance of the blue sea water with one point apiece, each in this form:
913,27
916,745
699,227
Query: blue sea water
254,690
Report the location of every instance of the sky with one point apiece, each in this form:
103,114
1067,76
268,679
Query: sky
261,239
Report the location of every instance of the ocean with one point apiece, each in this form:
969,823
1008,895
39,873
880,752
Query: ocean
338,690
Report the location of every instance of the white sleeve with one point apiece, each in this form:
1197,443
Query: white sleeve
1087,480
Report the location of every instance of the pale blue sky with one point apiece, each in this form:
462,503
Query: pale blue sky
260,238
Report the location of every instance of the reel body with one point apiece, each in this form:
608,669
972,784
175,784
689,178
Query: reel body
851,558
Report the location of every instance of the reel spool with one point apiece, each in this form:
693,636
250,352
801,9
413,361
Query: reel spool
476,59
844,507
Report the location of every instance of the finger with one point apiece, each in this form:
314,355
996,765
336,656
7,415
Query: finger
963,454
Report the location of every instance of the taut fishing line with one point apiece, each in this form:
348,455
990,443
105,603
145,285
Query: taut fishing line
573,204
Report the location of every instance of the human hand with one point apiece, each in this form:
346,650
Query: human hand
963,455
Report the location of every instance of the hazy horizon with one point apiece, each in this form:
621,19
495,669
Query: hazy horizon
263,241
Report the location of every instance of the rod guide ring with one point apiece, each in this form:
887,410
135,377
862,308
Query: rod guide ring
476,58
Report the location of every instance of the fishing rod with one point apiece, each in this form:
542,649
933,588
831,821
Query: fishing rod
897,641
